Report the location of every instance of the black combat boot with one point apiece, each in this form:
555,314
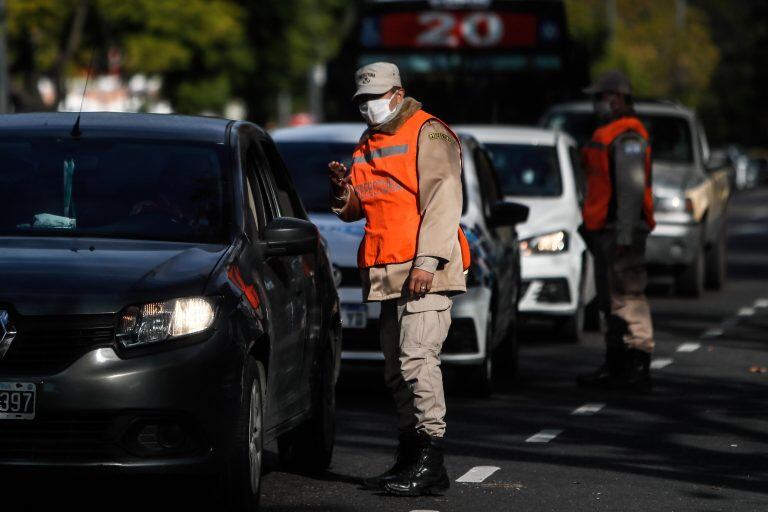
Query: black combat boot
407,452
611,373
637,370
427,475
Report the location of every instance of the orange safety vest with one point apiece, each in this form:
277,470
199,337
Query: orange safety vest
385,177
600,204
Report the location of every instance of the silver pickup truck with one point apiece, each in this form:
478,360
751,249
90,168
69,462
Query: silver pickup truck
691,191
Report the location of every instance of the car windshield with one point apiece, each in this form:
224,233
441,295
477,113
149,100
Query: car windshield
308,164
670,135
109,188
527,170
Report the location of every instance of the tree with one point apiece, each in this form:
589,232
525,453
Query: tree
663,57
197,46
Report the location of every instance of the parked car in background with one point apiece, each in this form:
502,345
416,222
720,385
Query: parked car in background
484,318
165,305
691,191
540,169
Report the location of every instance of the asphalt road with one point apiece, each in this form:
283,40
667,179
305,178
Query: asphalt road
699,442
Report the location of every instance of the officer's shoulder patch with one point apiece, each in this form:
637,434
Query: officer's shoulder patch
632,147
441,136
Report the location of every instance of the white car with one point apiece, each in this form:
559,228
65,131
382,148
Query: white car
541,169
484,318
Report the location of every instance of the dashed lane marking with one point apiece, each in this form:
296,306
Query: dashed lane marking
689,347
588,409
477,474
544,436
658,364
713,333
761,303
746,312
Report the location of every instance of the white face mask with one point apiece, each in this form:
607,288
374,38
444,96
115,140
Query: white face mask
376,112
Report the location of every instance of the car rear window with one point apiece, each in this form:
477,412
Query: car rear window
308,164
526,170
112,188
671,139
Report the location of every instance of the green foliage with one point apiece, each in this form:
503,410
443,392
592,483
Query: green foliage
662,59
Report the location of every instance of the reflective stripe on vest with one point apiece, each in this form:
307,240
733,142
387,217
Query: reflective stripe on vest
386,181
597,164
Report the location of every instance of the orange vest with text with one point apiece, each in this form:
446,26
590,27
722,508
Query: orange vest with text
385,177
600,203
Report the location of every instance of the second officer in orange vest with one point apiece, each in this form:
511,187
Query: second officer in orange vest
405,180
618,215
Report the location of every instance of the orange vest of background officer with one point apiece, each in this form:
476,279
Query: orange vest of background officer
600,203
386,180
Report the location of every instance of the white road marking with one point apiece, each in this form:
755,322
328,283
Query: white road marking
658,364
588,409
477,474
761,303
544,436
713,333
746,312
689,347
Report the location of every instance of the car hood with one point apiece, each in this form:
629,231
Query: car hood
546,215
672,177
342,238
57,276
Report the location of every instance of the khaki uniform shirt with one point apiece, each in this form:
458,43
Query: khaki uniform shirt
440,200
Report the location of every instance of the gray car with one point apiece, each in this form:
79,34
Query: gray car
691,191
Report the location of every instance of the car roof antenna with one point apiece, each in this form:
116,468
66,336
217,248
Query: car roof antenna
76,132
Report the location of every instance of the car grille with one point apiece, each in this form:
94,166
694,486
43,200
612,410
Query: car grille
47,344
61,439
462,338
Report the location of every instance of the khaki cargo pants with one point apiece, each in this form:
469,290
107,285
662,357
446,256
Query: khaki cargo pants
412,336
621,282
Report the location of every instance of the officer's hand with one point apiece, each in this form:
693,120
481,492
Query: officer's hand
337,173
419,283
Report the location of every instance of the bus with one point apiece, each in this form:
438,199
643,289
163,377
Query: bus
468,61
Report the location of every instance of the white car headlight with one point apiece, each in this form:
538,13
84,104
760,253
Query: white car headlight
550,243
673,204
159,321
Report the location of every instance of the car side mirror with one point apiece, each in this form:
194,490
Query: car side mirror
716,162
286,236
506,213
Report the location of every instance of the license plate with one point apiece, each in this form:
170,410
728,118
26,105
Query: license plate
354,316
17,400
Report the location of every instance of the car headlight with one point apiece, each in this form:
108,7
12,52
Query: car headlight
159,321
550,243
673,204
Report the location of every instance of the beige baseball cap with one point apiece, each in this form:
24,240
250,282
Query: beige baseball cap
376,78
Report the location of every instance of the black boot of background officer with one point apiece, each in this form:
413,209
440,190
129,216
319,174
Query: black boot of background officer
427,475
406,455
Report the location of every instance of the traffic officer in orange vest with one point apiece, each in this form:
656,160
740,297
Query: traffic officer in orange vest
618,215
405,180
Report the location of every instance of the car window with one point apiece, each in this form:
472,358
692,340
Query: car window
527,170
113,188
254,199
578,172
671,138
486,175
289,203
307,163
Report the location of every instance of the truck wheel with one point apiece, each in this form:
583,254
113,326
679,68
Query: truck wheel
716,264
592,316
309,447
690,281
240,482
481,378
572,327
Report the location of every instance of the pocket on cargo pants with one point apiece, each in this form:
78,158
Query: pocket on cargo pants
425,322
